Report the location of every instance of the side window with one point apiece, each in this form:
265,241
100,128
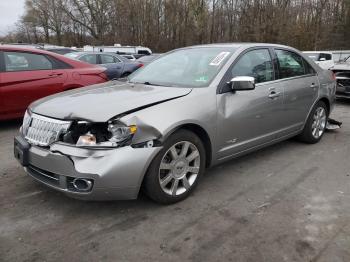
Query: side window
255,63
308,68
290,64
20,61
107,59
91,59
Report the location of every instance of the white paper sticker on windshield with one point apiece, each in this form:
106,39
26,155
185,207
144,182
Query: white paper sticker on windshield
219,58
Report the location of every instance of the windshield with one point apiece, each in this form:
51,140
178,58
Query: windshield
147,58
192,67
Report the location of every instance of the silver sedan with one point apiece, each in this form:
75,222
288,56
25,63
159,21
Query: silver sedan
188,110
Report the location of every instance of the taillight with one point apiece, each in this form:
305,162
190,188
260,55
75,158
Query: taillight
140,65
334,77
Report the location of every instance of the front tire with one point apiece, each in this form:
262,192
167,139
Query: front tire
177,168
316,124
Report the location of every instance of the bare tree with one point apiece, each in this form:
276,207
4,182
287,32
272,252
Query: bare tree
167,24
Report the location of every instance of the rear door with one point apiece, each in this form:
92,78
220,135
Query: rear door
113,64
300,88
27,77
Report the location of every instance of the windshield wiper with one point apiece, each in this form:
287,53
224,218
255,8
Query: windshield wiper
149,84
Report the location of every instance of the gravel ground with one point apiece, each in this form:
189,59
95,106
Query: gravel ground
288,202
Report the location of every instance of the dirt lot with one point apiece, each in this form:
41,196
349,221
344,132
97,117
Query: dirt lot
289,202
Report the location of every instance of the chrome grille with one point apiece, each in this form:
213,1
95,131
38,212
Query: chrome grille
43,131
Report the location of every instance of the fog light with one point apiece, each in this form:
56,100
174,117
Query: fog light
82,184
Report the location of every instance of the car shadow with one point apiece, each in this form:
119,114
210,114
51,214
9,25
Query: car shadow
343,101
10,124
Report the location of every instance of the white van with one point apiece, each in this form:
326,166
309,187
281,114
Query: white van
323,59
117,48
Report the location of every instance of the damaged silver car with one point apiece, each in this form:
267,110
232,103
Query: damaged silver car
188,110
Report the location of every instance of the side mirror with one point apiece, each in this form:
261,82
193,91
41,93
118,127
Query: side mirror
242,83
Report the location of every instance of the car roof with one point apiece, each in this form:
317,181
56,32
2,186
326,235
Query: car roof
95,53
62,58
241,44
59,48
24,49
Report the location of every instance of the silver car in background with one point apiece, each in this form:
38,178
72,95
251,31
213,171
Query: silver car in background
190,109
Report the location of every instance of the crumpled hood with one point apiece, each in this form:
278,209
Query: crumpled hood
101,102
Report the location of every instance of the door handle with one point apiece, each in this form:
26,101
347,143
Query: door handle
56,74
274,94
313,85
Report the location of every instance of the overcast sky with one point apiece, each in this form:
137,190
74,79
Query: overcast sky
10,11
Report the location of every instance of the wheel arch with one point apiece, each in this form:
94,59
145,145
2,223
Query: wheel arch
327,102
203,136
322,99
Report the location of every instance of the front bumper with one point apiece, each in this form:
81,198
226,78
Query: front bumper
116,173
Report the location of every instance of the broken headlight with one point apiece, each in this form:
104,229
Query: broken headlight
112,134
121,132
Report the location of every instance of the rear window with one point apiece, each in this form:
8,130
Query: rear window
21,61
91,59
108,59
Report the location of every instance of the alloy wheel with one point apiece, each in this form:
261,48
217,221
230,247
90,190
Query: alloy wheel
319,122
179,168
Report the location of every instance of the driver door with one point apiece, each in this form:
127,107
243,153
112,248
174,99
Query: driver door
248,119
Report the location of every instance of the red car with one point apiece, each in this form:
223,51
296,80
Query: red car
29,74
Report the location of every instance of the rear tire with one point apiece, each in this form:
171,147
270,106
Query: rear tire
177,168
315,125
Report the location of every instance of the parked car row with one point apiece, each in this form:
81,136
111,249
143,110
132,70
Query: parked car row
116,65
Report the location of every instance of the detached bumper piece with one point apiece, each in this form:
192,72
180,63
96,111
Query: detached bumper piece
333,124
